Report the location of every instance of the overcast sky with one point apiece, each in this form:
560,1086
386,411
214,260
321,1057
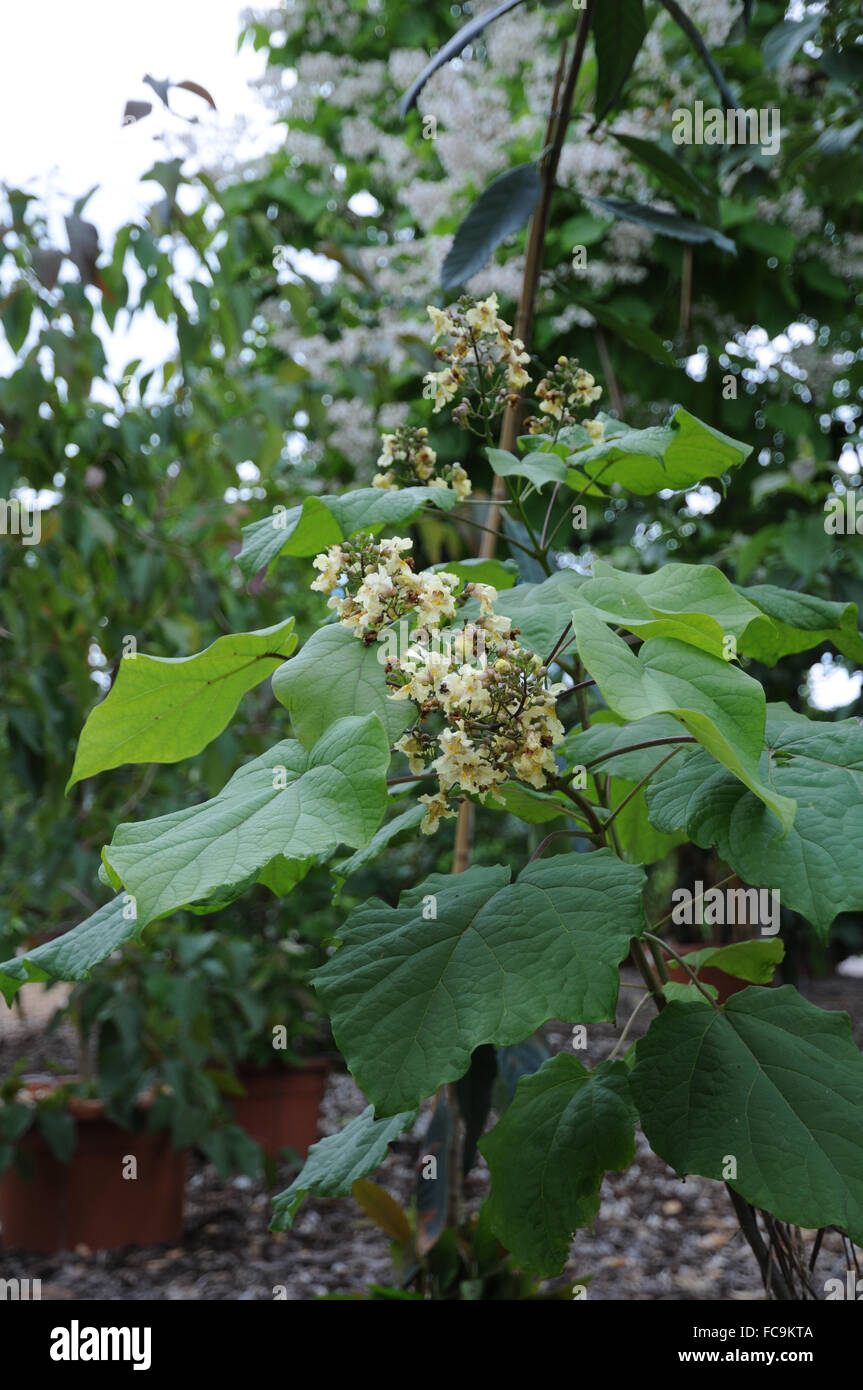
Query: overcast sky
67,69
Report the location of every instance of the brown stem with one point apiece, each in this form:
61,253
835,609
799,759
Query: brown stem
558,122
634,747
463,838
647,975
747,1216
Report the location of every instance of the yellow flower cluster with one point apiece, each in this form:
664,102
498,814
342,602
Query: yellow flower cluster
563,394
495,699
378,586
407,459
482,355
488,698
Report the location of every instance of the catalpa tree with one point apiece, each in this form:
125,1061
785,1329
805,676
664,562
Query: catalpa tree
610,707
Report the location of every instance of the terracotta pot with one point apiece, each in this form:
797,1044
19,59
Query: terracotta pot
88,1201
281,1105
726,985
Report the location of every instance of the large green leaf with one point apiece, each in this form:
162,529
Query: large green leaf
335,675
713,699
766,622
618,33
566,1127
471,958
692,603
798,623
290,801
334,1164
501,209
674,456
320,522
163,709
770,1081
72,955
815,867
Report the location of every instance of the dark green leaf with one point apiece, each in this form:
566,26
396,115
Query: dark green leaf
471,958
674,176
769,1081
821,767
665,223
335,1163
504,207
618,33
564,1130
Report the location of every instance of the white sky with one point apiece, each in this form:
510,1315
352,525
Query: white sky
67,69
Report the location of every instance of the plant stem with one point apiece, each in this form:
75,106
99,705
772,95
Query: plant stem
637,788
686,291
558,123
463,837
657,940
553,836
647,974
629,1022
556,648
659,962
636,747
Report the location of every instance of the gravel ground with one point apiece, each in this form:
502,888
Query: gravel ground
657,1236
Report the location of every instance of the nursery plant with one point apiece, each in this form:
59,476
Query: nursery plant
612,709
66,1162
159,1033
187,1012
